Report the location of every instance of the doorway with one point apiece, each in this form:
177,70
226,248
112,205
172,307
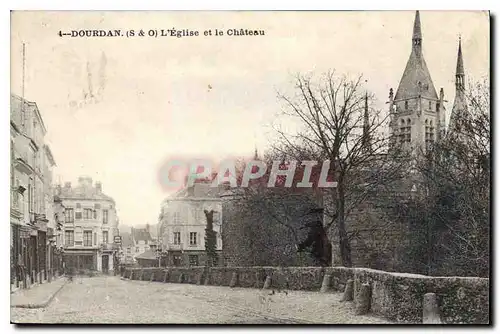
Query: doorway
105,264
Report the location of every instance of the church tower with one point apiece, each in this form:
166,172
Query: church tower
416,110
460,103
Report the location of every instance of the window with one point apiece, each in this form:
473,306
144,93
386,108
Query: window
69,238
95,214
69,216
104,216
105,237
87,238
177,238
78,206
129,250
88,214
78,215
405,131
30,196
177,217
192,238
430,105
137,249
193,260
95,239
406,105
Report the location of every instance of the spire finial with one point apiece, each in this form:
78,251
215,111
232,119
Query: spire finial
417,30
460,61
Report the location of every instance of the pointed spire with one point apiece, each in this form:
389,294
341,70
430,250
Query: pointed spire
366,116
460,61
460,73
416,70
460,103
256,155
366,126
417,31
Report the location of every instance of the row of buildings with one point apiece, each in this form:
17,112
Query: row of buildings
53,228
34,216
179,237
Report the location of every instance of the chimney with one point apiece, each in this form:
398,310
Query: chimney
85,181
98,187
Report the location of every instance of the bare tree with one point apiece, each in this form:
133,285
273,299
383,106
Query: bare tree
450,217
335,122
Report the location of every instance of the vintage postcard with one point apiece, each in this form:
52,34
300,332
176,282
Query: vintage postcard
239,167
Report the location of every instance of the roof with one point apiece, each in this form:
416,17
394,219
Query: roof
127,240
83,192
16,106
416,79
198,191
141,234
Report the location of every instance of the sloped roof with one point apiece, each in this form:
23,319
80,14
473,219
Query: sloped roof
199,190
83,192
127,240
141,234
416,72
416,77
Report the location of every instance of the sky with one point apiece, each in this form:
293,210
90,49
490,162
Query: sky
215,96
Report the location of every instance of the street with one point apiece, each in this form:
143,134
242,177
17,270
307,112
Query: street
110,299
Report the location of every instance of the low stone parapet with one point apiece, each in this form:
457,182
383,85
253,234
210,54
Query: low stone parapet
396,296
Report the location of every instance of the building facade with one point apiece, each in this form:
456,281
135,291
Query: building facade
90,225
418,119
183,224
31,214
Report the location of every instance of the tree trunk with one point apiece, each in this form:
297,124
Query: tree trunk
345,248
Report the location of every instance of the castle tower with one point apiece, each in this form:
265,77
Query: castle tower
417,112
460,103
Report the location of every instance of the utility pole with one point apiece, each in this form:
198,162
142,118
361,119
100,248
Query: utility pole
23,117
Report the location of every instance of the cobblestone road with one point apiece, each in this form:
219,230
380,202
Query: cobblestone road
112,300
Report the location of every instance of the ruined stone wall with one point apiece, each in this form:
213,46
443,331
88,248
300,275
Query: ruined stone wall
396,296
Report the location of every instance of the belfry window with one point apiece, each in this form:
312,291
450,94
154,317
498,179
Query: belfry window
405,131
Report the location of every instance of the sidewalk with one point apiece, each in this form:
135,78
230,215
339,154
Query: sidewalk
37,296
